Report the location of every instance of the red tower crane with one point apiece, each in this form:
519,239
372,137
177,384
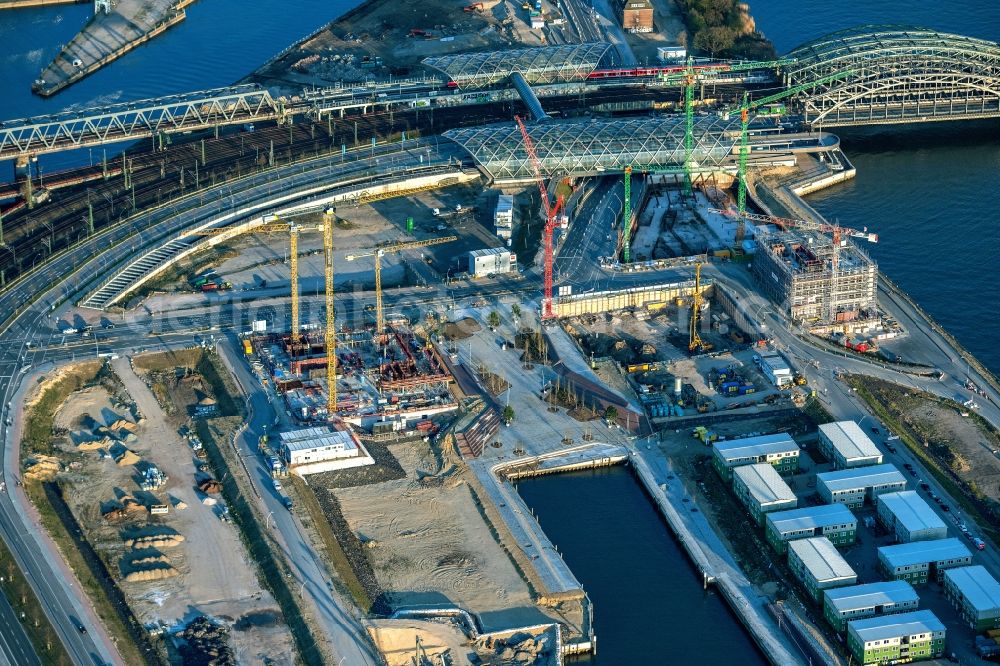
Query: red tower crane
551,213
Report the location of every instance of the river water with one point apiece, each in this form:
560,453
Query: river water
928,192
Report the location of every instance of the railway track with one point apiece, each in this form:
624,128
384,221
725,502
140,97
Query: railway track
84,201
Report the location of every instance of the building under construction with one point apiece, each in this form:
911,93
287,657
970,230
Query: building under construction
396,378
795,267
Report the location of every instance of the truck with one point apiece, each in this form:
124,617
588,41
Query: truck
247,347
216,285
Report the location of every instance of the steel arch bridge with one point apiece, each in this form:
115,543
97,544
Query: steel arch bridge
898,74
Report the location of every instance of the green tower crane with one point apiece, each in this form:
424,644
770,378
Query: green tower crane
745,108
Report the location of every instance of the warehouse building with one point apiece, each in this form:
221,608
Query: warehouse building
921,561
490,261
794,267
896,638
761,490
637,16
818,566
976,595
845,604
854,487
778,450
909,517
846,445
834,521
322,449
503,218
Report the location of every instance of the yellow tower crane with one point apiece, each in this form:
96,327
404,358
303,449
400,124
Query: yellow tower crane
293,231
695,343
378,253
330,339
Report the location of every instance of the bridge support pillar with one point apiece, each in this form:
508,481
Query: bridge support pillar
22,176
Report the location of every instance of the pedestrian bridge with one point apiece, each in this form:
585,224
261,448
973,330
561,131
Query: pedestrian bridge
897,74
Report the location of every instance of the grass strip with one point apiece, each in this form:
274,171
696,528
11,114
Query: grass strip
126,633
22,599
334,552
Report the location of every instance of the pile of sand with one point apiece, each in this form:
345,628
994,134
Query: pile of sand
154,541
42,468
158,572
127,457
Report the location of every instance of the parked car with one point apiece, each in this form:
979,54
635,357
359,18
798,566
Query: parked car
945,508
907,466
892,449
875,431
979,543
276,484
925,487
913,473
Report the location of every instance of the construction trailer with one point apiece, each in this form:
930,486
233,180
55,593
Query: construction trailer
921,561
909,518
856,602
976,595
778,450
775,368
503,218
816,563
322,449
833,521
794,268
761,490
491,261
855,487
896,639
846,445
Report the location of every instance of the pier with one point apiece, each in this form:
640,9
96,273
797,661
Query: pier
712,558
107,37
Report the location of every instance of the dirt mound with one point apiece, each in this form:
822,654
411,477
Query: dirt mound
42,468
461,329
147,558
206,643
127,457
154,541
155,573
210,487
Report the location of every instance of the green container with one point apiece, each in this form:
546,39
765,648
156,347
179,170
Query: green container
409,225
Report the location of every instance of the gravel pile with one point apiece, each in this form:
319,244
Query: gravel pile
386,468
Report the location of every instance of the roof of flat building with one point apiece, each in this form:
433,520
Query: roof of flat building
811,517
912,511
850,440
894,626
872,594
305,439
977,585
764,483
821,558
860,477
755,446
919,552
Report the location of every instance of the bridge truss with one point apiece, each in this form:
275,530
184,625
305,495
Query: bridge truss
899,74
137,120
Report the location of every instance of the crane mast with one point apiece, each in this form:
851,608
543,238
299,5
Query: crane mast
550,219
331,328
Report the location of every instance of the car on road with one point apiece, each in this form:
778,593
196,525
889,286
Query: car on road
276,484
875,431
287,501
82,629
945,508
913,473
924,487
907,466
979,543
892,449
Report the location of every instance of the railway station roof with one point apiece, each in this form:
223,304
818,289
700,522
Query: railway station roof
589,147
541,65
